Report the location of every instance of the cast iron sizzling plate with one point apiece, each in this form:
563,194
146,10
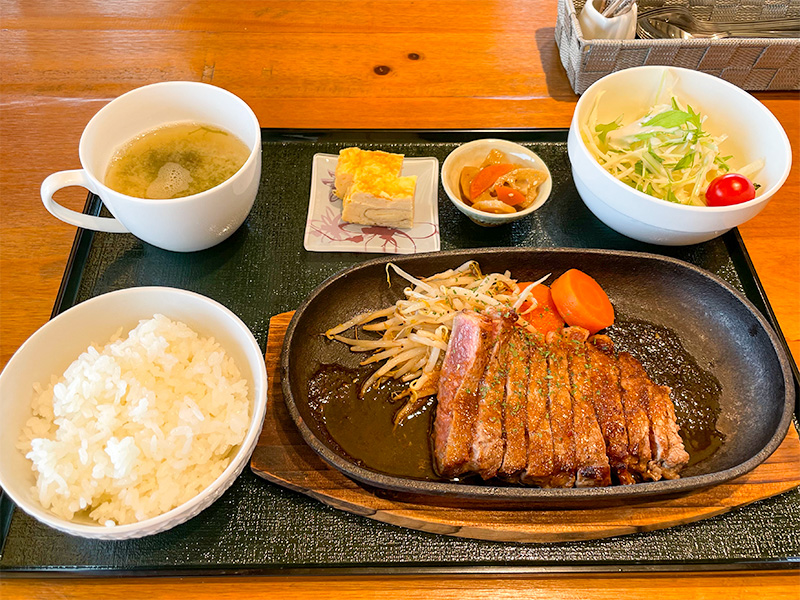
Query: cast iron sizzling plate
725,337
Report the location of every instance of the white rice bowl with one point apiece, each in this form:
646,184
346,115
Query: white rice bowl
137,427
123,464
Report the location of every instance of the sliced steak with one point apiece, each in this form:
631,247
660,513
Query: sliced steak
488,445
540,457
516,359
592,465
559,405
665,440
635,401
471,341
559,412
607,403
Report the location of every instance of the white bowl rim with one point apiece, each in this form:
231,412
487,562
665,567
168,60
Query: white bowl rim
253,431
494,217
765,195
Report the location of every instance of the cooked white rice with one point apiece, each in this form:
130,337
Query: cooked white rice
138,427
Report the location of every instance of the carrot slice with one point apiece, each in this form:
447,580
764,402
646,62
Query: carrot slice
510,196
486,177
545,316
582,302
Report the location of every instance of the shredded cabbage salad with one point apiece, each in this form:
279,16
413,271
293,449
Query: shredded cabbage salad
666,153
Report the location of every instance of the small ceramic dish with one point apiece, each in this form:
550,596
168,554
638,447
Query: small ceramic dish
326,232
473,154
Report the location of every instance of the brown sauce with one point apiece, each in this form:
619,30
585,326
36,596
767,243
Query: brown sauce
363,427
696,391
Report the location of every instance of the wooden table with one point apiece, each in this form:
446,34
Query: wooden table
349,64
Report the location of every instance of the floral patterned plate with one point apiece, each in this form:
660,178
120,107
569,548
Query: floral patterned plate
326,232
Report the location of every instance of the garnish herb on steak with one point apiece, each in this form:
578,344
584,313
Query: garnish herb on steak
517,356
541,457
488,444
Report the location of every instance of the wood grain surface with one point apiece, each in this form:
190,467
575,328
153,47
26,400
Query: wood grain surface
282,456
451,64
705,586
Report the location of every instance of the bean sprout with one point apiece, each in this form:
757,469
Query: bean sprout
415,331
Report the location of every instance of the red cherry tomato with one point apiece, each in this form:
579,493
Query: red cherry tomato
730,189
509,195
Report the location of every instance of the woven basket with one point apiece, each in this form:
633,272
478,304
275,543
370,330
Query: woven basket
752,64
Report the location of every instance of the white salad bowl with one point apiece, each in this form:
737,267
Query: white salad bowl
473,154
753,132
51,349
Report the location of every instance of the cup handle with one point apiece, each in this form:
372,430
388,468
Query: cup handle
77,177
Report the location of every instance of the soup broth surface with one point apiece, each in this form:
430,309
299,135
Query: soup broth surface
175,160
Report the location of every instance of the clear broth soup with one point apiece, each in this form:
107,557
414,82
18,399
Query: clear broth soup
175,160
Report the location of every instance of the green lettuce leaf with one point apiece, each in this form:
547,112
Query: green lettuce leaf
722,161
603,129
671,197
685,162
668,119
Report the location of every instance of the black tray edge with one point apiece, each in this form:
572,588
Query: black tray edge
547,134
70,281
792,564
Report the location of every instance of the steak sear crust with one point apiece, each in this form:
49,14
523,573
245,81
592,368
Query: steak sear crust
517,357
606,398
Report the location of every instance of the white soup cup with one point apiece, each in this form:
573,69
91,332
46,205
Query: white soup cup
185,224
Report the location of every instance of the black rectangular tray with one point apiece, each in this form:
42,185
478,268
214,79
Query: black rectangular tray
259,528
